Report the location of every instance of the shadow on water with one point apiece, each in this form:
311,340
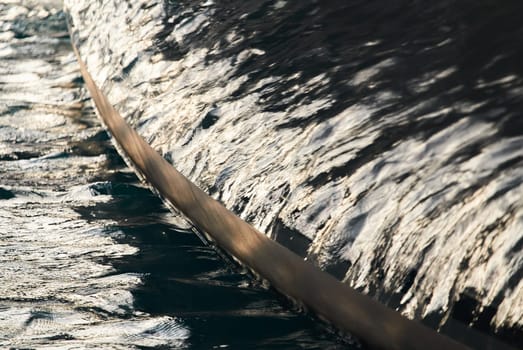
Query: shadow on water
182,277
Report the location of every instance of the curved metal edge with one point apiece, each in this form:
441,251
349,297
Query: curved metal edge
378,326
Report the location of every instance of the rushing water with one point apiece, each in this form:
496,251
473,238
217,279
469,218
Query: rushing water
381,140
89,258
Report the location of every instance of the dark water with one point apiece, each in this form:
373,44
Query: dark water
89,257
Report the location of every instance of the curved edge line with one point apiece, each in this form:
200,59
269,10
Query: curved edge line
350,311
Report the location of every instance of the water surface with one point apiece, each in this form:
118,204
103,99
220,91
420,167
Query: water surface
89,257
381,140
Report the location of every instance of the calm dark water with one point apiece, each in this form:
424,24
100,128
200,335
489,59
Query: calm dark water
89,257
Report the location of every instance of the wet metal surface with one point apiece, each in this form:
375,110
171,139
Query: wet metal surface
89,258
